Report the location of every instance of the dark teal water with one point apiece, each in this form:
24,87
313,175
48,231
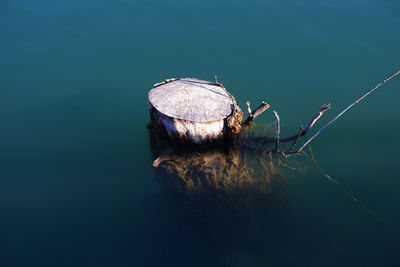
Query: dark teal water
76,183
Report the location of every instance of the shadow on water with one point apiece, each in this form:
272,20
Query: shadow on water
235,199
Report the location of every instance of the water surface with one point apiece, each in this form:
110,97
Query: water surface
76,183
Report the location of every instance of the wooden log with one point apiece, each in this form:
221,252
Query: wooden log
194,111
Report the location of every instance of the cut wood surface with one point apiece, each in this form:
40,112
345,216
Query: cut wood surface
192,100
193,110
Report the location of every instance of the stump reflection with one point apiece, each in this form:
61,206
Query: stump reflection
224,196
223,171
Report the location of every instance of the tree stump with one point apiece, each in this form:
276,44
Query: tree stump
194,111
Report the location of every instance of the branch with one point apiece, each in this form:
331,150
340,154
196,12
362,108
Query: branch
166,81
278,130
297,138
249,109
346,109
304,131
317,115
162,158
255,113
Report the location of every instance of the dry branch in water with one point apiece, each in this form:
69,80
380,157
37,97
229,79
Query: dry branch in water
278,130
312,122
255,113
303,131
346,109
297,138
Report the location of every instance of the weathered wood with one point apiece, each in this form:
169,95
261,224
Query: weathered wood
191,99
255,113
303,131
194,110
278,130
347,108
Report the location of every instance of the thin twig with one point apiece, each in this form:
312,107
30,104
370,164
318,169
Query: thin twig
278,130
255,113
165,81
249,109
346,109
216,82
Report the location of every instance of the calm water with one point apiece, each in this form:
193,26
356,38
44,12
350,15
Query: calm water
76,183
